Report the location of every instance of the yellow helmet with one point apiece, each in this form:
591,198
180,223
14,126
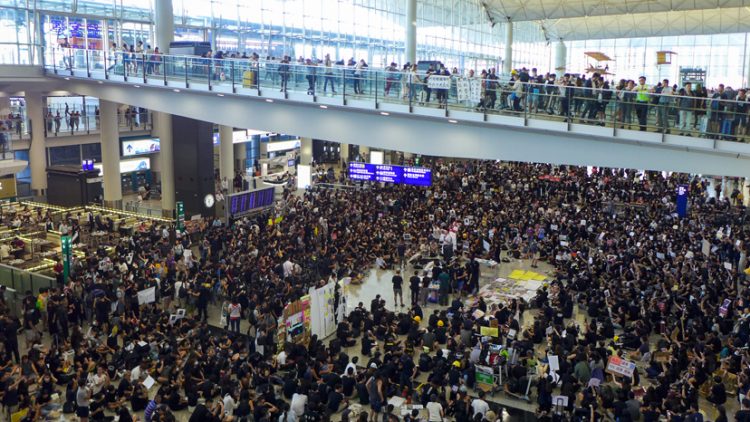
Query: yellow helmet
417,318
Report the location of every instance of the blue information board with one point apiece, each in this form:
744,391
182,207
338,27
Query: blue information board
682,200
244,202
416,176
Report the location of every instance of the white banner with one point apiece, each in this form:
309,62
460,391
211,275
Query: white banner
147,296
439,82
469,89
322,316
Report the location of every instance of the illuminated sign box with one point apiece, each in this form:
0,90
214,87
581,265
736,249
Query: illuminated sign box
416,176
140,146
128,166
8,186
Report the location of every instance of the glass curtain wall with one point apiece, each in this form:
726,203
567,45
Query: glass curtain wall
722,56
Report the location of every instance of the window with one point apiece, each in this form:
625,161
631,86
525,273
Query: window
92,152
25,174
70,155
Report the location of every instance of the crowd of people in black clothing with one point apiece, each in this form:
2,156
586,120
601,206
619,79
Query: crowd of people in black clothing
667,292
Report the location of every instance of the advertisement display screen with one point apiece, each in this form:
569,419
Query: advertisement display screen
140,147
244,202
139,164
416,176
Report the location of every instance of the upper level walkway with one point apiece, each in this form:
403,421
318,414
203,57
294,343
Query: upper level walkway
440,115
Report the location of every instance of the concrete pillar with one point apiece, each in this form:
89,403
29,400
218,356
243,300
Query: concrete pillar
226,155
163,130
110,141
508,59
411,31
344,152
37,148
5,106
240,156
164,20
306,151
746,191
561,57
364,153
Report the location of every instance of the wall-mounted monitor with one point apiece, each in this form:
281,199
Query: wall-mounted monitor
132,147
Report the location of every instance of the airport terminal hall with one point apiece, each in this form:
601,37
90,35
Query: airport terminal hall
375,210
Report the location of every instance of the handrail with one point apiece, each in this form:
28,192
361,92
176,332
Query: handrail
617,109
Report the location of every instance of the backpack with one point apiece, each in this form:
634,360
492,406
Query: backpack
182,294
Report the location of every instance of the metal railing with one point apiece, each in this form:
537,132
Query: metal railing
707,114
64,125
22,280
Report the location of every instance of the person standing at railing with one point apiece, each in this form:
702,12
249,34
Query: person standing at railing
442,93
310,67
137,55
359,70
426,90
284,73
149,59
58,122
328,63
125,58
391,76
49,120
641,102
665,101
156,60
517,94
740,113
686,105
67,54
112,56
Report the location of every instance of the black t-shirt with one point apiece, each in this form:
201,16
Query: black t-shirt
348,384
742,416
397,282
414,282
334,400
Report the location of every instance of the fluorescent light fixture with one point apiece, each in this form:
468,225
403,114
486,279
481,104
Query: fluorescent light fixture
383,113
100,82
324,106
268,100
219,95
67,79
137,86
176,90
452,121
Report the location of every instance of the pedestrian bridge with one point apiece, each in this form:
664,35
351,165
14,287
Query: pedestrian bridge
250,95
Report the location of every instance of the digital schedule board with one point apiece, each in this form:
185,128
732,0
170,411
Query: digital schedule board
417,176
246,202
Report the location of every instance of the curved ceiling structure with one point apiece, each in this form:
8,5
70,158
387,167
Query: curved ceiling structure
601,19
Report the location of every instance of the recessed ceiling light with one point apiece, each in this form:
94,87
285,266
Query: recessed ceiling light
67,79
176,90
137,86
100,82
324,106
383,113
268,100
219,95
452,121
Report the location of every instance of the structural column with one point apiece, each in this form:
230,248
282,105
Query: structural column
508,60
110,142
163,130
306,151
561,57
164,19
37,149
344,152
240,156
411,31
226,155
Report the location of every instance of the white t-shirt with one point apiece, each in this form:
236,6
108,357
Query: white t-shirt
351,365
281,358
434,409
480,406
228,405
298,404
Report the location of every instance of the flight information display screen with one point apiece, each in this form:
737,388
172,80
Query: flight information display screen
245,202
417,176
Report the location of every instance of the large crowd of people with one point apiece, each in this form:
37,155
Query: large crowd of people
664,291
593,97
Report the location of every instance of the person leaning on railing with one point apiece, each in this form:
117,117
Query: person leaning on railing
686,106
